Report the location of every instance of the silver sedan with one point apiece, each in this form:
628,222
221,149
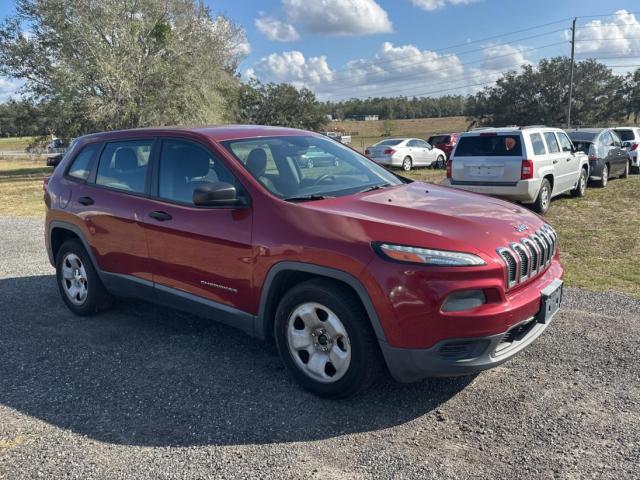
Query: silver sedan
405,153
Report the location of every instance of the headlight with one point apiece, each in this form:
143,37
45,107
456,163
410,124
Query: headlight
427,256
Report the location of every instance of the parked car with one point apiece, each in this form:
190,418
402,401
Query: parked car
607,158
345,270
630,137
445,142
405,153
315,157
54,160
340,137
56,146
530,165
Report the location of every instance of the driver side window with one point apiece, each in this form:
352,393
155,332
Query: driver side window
185,166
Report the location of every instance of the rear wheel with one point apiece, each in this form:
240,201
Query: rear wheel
604,178
581,188
407,164
440,162
310,163
543,201
325,340
78,282
625,174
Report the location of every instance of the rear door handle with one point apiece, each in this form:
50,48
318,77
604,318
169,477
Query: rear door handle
569,159
555,161
86,201
160,215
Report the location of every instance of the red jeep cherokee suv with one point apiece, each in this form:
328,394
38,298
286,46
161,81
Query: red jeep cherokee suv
347,267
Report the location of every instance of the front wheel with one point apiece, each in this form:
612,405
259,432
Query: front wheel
543,201
440,162
406,164
581,187
325,339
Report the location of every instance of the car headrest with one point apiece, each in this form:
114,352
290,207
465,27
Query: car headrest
257,162
125,159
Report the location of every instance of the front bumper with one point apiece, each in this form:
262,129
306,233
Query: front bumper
525,191
463,356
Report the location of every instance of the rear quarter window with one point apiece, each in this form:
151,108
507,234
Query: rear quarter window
81,165
552,143
538,144
489,146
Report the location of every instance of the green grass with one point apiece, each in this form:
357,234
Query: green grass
599,234
15,143
21,186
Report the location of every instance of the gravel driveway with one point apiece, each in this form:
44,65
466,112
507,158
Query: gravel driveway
144,392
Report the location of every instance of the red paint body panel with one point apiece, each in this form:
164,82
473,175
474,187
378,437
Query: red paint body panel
233,249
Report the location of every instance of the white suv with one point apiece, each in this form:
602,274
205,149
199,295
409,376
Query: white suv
525,164
630,137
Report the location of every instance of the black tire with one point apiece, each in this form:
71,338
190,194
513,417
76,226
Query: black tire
407,163
543,200
581,188
309,163
97,298
440,162
635,170
365,362
604,177
625,174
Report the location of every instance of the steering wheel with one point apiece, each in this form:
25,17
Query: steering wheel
324,177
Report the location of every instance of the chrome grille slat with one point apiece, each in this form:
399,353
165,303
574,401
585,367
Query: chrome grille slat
529,257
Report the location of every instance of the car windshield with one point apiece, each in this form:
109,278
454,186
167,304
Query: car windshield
625,135
586,136
437,139
388,143
308,167
490,145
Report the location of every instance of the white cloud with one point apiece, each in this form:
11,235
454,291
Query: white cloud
338,17
503,57
618,36
8,88
431,5
292,67
276,30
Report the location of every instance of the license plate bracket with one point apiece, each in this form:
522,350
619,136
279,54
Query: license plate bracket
550,301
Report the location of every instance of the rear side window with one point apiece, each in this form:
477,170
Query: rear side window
389,143
537,144
625,135
123,165
82,163
490,146
552,143
606,139
412,143
565,143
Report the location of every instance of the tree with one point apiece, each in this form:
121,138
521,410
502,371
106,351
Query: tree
112,64
279,104
540,95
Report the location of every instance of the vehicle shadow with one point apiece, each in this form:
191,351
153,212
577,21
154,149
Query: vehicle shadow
145,375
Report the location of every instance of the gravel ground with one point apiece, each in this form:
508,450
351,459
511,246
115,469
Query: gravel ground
143,392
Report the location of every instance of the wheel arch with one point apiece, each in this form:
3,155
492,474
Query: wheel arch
60,232
284,275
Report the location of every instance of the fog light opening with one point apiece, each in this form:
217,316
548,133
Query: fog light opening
466,300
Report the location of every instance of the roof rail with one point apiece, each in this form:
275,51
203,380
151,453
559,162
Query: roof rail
533,126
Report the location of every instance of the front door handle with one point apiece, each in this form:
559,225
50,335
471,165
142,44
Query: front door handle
555,161
160,215
569,159
86,201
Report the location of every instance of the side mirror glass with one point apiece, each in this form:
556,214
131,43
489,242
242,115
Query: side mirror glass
217,194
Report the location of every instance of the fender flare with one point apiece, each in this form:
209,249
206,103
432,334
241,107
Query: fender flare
79,233
262,322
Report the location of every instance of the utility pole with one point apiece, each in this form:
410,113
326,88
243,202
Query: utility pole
573,50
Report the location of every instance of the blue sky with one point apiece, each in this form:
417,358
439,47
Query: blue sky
344,48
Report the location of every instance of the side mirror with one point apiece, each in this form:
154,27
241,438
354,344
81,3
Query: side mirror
217,194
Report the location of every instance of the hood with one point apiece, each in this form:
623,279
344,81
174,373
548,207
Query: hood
429,215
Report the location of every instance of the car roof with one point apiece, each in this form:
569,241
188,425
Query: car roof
587,130
217,133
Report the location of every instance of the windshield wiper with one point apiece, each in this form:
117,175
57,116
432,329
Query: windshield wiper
375,187
307,198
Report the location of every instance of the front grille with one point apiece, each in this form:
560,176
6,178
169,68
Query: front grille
530,256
